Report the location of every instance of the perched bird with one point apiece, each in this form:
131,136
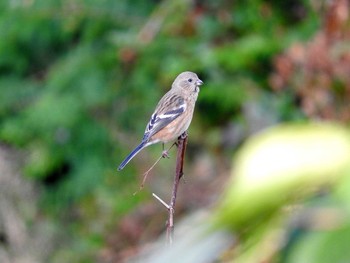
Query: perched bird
173,114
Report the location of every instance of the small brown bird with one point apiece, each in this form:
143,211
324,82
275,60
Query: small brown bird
173,114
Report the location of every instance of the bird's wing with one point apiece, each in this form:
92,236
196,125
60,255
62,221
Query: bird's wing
168,109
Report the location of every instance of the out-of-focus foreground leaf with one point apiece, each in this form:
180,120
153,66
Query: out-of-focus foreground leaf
281,180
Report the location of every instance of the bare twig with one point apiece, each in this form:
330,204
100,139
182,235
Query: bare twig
161,200
181,149
145,174
151,28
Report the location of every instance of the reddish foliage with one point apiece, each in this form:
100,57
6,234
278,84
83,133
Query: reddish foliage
318,71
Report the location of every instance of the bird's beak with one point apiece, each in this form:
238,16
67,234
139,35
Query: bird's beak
199,82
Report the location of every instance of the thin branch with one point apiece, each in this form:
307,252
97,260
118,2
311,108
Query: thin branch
148,171
181,149
145,174
161,201
151,28
182,143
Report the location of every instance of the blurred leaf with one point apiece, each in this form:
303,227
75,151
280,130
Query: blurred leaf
283,163
323,247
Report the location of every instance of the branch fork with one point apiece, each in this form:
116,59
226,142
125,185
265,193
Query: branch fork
181,149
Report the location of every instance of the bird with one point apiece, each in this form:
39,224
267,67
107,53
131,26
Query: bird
172,115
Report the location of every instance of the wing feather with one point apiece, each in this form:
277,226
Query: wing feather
164,114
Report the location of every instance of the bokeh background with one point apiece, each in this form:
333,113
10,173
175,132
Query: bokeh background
79,80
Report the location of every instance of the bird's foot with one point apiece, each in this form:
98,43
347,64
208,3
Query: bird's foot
183,135
165,154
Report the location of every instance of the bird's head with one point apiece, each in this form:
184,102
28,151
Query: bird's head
188,81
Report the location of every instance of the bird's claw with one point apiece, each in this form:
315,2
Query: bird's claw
183,135
165,154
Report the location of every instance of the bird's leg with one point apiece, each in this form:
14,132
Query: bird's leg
181,137
165,153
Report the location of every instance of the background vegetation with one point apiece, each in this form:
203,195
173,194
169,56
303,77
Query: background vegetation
79,80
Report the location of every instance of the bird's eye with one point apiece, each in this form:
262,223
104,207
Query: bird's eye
189,80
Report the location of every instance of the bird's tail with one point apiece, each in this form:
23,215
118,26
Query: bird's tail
132,155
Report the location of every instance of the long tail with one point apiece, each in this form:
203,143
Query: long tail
138,148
